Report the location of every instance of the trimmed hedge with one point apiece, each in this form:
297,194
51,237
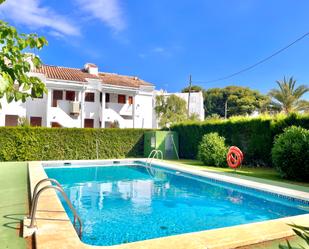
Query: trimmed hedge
36,143
254,136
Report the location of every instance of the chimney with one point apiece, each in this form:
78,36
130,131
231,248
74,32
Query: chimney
29,57
91,68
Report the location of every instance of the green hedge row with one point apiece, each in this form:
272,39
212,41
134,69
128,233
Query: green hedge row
30,143
254,136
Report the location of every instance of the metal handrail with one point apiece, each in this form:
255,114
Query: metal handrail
158,152
152,155
44,180
64,195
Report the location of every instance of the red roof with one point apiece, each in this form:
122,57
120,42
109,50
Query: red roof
80,75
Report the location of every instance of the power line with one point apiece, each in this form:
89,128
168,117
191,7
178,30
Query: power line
255,64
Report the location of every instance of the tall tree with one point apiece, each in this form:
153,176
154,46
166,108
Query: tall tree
234,100
171,109
15,64
288,96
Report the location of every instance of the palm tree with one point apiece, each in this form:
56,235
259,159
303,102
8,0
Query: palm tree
287,97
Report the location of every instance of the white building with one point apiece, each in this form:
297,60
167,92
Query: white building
84,98
195,103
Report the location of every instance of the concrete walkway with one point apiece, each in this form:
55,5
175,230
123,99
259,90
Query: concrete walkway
240,175
13,203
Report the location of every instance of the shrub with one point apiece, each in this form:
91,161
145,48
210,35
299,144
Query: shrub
212,150
38,143
290,154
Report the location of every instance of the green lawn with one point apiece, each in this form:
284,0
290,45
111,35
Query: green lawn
263,175
13,203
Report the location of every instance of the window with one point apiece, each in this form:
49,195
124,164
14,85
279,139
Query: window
107,98
121,99
57,95
89,97
101,97
88,123
36,121
130,100
70,95
11,120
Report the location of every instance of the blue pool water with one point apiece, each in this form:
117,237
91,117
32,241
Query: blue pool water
120,204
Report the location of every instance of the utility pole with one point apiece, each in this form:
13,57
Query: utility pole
225,109
189,95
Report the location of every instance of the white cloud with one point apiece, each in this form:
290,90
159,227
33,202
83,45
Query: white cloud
157,51
33,15
107,11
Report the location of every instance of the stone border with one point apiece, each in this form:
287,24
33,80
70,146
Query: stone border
55,229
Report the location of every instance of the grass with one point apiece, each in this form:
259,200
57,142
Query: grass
264,175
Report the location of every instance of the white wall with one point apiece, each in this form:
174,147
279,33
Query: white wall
93,109
144,110
36,108
196,103
14,108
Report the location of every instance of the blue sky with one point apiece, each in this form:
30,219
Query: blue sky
164,41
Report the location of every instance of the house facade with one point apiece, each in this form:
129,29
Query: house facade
84,98
194,101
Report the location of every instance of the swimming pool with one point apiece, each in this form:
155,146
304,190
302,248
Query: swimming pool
130,202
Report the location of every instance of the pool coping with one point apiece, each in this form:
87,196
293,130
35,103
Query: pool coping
53,222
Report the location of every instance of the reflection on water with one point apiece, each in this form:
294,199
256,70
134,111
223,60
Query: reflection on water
129,203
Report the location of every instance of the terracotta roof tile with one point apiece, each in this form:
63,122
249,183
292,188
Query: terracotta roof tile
121,80
80,75
64,73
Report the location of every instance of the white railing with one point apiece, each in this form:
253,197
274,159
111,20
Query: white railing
122,109
111,115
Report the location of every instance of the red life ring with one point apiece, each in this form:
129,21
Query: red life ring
234,157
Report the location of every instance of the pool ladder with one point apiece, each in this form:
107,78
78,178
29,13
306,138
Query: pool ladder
35,198
152,155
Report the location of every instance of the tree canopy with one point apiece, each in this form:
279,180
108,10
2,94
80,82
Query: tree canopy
288,97
15,64
239,101
170,109
194,88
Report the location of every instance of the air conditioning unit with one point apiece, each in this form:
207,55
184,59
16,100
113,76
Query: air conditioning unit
75,108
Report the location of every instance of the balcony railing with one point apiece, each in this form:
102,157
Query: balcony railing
122,109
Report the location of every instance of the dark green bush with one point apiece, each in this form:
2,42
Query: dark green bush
290,154
212,150
31,143
254,136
